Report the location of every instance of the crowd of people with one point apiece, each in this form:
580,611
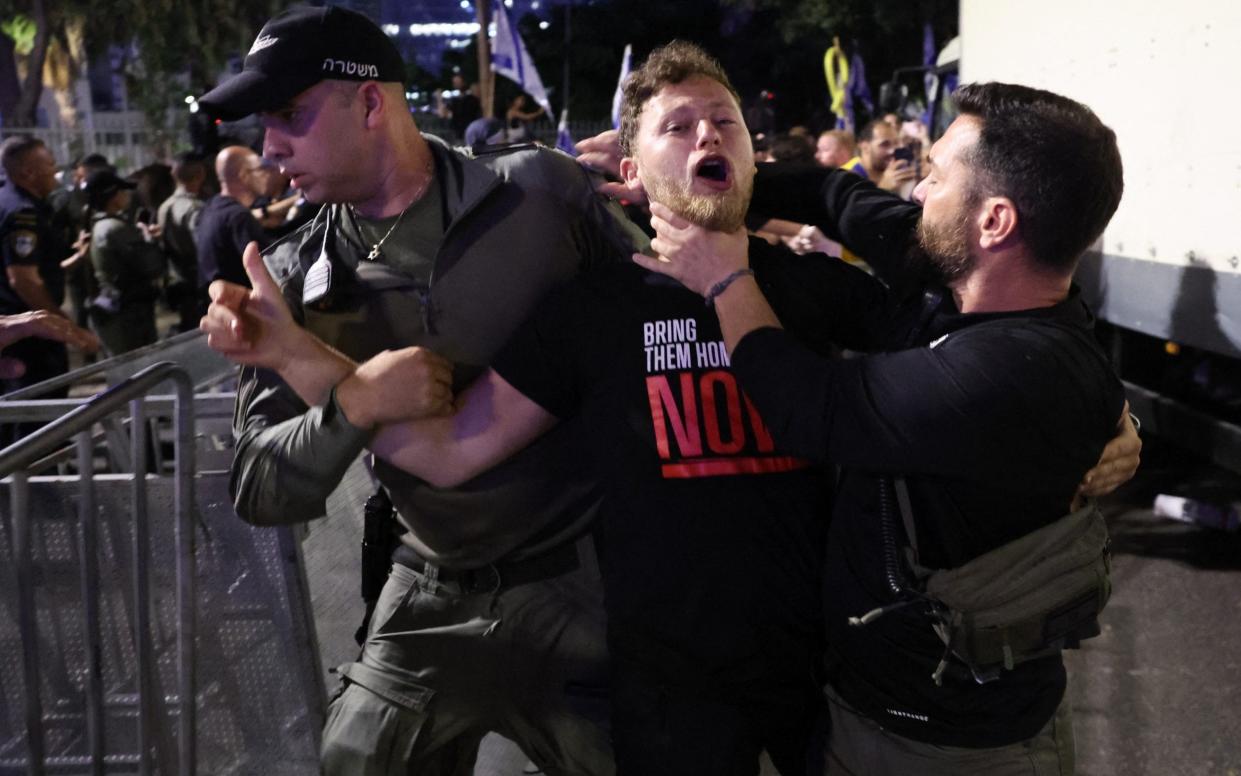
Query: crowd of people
632,532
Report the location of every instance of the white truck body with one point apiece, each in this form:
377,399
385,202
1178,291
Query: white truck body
1160,75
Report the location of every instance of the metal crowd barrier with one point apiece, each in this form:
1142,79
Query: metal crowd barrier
14,460
117,653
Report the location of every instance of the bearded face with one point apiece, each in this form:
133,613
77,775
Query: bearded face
946,243
721,211
692,154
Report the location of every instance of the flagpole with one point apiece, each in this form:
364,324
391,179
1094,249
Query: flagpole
568,42
486,79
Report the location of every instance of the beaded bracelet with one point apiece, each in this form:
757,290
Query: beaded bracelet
723,285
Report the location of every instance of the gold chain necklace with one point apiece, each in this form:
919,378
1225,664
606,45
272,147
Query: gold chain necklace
426,184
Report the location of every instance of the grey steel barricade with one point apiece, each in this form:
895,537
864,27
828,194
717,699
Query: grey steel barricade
106,679
76,424
187,350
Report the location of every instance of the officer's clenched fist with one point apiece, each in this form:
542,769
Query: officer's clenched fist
397,385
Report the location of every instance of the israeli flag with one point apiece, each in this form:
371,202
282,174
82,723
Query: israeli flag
510,59
617,98
930,80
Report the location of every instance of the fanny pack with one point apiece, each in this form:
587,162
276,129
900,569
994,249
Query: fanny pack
1027,599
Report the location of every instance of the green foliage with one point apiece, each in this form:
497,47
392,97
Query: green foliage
21,29
174,45
181,37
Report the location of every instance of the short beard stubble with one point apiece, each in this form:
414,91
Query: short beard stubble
947,246
720,212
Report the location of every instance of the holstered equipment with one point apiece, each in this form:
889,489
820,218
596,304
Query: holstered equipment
379,540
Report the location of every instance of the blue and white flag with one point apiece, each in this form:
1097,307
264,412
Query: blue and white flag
617,98
510,59
564,141
929,79
856,92
858,88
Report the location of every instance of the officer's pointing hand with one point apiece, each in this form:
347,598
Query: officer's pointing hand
250,325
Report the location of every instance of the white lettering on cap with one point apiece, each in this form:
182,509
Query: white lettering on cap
262,42
345,67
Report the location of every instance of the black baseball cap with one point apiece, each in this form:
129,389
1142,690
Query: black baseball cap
296,50
102,184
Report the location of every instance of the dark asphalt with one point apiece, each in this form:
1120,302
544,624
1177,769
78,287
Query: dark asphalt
1158,692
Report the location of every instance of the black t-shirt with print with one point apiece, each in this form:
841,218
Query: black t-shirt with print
712,539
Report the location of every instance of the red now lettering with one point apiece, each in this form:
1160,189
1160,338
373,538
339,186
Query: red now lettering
659,393
765,443
732,399
725,430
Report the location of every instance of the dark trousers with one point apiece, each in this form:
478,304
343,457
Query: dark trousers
658,728
44,360
442,666
130,328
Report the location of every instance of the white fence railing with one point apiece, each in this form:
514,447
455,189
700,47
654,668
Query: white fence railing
129,142
126,139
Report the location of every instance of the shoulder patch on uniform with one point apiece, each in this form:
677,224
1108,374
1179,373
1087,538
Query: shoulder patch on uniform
24,243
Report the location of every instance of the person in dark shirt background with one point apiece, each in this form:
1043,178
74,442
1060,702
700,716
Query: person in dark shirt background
463,108
73,218
177,220
226,224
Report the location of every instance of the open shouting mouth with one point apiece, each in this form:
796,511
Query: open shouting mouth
714,171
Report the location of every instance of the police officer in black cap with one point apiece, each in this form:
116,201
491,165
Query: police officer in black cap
32,254
128,265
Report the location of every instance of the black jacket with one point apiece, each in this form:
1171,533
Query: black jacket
992,418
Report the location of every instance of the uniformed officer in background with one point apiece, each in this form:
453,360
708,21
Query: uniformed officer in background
32,253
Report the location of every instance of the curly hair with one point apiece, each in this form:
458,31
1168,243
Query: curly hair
669,64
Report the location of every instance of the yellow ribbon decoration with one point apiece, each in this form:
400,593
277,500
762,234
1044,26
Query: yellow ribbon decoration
834,60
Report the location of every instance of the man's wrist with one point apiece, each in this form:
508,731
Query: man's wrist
350,396
299,347
719,288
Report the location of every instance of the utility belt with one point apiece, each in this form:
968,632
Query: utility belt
1030,598
381,547
494,576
